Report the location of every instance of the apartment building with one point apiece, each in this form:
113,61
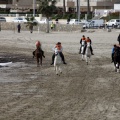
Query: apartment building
94,4
27,5
17,5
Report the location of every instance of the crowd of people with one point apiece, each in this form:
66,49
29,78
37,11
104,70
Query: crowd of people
58,48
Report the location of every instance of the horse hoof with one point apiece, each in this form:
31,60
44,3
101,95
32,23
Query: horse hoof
61,72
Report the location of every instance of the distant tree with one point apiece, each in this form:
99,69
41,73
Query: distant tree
47,8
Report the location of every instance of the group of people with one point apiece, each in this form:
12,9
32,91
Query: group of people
58,48
30,27
86,40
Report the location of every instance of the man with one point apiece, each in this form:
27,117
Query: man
89,40
19,27
59,47
81,40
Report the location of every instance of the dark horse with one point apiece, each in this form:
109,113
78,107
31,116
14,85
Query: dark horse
38,53
116,58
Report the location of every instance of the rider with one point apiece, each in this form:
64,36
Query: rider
60,49
82,39
38,45
113,50
88,40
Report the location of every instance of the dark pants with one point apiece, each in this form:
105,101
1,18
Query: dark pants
18,30
119,42
61,55
83,50
112,56
90,49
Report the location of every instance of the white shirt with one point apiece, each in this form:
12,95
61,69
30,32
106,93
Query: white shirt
56,50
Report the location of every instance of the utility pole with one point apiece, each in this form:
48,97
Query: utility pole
88,7
78,10
34,8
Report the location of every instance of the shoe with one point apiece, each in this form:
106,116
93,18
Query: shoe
64,63
51,64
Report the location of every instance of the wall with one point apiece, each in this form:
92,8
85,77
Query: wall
41,27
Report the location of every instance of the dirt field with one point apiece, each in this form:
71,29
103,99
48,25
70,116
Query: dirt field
81,92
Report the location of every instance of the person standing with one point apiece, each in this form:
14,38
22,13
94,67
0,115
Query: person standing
31,28
19,27
52,26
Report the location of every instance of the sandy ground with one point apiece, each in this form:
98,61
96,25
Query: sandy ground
81,92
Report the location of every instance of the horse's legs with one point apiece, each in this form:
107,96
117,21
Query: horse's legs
86,59
117,66
41,60
56,69
82,57
60,70
37,61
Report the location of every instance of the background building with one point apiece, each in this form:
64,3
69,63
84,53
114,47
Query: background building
70,5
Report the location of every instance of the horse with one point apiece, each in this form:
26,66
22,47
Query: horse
57,63
82,49
116,59
87,52
38,53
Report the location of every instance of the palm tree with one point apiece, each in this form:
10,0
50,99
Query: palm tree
47,7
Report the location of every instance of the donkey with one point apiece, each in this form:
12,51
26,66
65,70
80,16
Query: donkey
38,53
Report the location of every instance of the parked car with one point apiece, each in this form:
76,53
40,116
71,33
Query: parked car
113,22
2,19
74,21
94,23
44,21
19,20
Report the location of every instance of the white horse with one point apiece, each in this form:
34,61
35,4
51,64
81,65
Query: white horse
82,49
57,63
88,53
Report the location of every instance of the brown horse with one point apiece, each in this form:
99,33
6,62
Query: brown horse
38,53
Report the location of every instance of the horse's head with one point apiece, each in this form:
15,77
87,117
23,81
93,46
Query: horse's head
56,53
